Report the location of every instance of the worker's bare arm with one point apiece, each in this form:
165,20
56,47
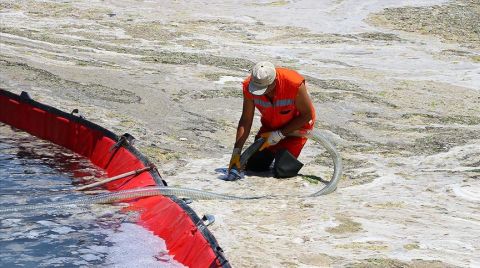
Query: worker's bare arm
245,123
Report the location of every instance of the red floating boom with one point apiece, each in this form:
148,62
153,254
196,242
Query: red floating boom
170,218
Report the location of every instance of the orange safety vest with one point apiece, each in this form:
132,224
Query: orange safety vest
281,110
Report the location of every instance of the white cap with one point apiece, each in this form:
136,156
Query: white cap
263,74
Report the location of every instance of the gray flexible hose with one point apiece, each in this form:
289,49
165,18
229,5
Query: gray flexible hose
130,194
193,193
317,136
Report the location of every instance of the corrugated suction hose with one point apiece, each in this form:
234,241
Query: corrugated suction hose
193,193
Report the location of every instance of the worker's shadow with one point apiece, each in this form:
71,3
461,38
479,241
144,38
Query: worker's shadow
313,178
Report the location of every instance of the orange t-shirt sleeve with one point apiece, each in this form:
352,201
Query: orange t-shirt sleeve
247,93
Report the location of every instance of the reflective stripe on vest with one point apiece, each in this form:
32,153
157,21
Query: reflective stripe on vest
278,103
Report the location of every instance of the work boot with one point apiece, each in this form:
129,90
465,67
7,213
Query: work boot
286,165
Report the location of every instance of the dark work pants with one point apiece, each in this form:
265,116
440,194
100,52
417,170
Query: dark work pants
260,161
286,165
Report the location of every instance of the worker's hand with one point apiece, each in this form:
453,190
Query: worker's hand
235,159
271,138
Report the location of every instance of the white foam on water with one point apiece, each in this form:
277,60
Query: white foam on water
11,222
91,257
453,157
468,192
226,78
134,246
320,16
63,230
47,223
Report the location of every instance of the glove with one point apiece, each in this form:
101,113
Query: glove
235,159
271,138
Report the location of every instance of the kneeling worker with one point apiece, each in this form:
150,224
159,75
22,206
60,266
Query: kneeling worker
281,97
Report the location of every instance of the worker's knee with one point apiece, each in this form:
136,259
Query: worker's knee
286,165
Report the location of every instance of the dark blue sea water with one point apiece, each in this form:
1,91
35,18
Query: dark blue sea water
33,171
